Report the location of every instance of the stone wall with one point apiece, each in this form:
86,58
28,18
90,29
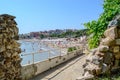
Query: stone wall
10,68
106,57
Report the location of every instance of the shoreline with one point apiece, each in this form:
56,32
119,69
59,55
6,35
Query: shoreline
55,46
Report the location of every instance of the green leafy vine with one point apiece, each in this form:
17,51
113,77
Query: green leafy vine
97,28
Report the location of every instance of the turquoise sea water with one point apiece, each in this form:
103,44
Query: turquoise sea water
32,47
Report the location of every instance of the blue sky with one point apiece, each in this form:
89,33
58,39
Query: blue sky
40,15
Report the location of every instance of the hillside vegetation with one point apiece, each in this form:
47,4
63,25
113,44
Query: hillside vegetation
70,33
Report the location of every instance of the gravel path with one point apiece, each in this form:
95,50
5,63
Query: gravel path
66,71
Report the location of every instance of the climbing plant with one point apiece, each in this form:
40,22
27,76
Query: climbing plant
97,28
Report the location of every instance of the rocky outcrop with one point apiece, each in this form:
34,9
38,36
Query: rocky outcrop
107,56
10,68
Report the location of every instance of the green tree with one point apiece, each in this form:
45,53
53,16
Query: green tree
54,35
42,36
97,28
81,32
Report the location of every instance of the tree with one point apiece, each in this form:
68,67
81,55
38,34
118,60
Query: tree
42,36
97,28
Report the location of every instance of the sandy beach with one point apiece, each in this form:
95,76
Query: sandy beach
62,43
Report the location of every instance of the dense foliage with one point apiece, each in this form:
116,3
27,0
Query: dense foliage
97,28
70,49
115,75
70,33
63,34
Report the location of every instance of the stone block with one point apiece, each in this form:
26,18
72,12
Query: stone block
100,54
93,51
98,71
93,68
116,49
7,54
117,63
111,32
96,59
17,50
1,36
117,55
107,42
105,68
2,73
89,57
111,48
2,48
119,33
85,78
108,58
103,48
9,47
2,58
3,25
117,41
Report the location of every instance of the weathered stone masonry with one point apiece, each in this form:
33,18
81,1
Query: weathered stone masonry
10,68
107,56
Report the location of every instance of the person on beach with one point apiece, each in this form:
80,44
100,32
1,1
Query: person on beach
24,50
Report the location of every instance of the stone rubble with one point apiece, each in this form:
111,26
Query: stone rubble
10,68
107,56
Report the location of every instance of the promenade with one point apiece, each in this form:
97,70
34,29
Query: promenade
69,70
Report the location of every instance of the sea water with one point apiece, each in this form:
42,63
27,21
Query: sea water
29,47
